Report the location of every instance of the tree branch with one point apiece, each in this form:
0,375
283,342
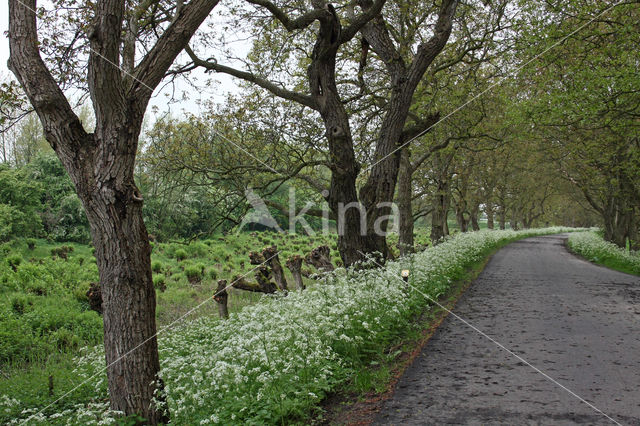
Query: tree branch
428,51
373,10
155,64
61,125
252,78
299,23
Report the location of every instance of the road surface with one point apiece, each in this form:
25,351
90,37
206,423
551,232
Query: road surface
577,322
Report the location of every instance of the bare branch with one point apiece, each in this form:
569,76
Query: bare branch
252,78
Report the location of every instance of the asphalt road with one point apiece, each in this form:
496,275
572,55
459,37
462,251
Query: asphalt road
577,322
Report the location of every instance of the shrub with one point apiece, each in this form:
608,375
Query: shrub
194,273
62,252
156,266
20,303
159,282
181,254
14,260
593,247
213,274
31,243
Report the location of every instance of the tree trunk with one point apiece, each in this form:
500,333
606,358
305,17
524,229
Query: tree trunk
320,258
101,167
462,221
634,230
295,266
122,250
222,298
502,217
489,212
353,240
273,261
439,227
474,217
405,237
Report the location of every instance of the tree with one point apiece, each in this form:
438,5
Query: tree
101,166
583,102
404,63
19,204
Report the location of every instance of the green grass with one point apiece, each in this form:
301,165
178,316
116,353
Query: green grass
594,248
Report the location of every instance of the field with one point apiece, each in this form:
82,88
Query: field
45,315
272,361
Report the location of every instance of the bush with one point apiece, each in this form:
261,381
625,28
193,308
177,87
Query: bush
31,243
14,260
156,266
20,303
159,282
593,247
180,254
37,327
62,252
194,273
213,274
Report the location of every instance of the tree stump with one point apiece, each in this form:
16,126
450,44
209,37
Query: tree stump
261,286
320,258
94,294
295,266
221,297
273,261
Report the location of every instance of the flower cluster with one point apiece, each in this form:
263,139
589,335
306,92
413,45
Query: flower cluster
591,246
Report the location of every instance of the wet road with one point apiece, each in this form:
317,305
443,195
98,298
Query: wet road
576,322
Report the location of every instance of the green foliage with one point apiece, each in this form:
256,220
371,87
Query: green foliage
194,273
14,260
213,274
19,204
157,266
62,252
31,328
180,254
592,246
160,282
31,243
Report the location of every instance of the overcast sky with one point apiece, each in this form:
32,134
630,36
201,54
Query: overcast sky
218,92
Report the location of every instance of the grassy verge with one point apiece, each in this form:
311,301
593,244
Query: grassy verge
363,395
594,248
273,362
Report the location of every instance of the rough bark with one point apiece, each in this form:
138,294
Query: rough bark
320,258
263,285
502,217
294,264
221,297
475,211
439,226
101,167
353,239
489,212
379,189
405,228
273,261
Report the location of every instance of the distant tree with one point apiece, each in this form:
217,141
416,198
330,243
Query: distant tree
401,61
582,101
19,204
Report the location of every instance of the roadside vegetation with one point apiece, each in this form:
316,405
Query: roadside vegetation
594,248
127,174
274,360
